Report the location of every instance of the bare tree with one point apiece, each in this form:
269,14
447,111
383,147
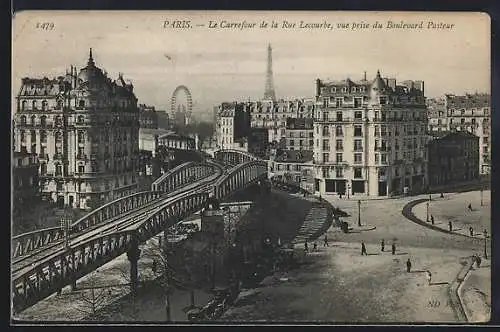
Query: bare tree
92,298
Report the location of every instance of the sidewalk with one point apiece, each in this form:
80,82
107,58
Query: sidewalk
454,209
475,293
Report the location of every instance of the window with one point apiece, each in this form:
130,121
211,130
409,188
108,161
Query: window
33,105
339,116
23,136
23,120
462,121
81,152
33,120
81,169
383,100
377,156
358,115
311,142
325,116
338,131
43,136
383,158
358,158
33,136
339,172
42,152
23,105
383,130
358,131
81,136
325,172
326,157
58,170
339,158
358,102
358,173
292,143
44,105
358,145
377,114
339,145
43,168
377,130
43,120
326,131
485,140
58,137
473,121
338,103
326,144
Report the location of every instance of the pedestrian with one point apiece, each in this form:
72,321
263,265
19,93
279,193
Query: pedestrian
470,207
478,261
428,276
450,226
432,219
408,265
393,248
382,245
315,246
340,195
325,243
306,246
363,249
442,196
471,231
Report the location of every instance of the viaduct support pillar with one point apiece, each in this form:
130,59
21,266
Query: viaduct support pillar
133,255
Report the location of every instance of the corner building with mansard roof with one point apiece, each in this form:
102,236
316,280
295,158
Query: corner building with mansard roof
84,127
370,137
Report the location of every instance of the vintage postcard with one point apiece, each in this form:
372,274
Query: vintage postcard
263,167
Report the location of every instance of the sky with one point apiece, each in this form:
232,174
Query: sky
224,64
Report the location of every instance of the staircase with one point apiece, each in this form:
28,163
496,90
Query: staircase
316,223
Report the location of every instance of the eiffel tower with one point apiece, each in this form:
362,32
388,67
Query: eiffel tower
269,90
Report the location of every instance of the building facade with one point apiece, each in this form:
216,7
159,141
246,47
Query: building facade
293,167
148,118
232,126
453,158
470,113
25,181
258,142
370,137
273,114
84,127
299,134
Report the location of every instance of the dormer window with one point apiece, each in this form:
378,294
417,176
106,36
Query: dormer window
353,89
344,89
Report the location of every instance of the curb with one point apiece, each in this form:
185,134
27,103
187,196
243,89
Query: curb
408,214
454,291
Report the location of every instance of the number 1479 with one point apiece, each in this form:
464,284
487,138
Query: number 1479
45,25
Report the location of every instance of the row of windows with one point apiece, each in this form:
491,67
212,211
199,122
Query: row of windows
58,136
301,142
378,115
302,134
358,172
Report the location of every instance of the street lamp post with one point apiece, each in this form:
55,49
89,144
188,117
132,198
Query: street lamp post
359,213
485,241
427,209
481,192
